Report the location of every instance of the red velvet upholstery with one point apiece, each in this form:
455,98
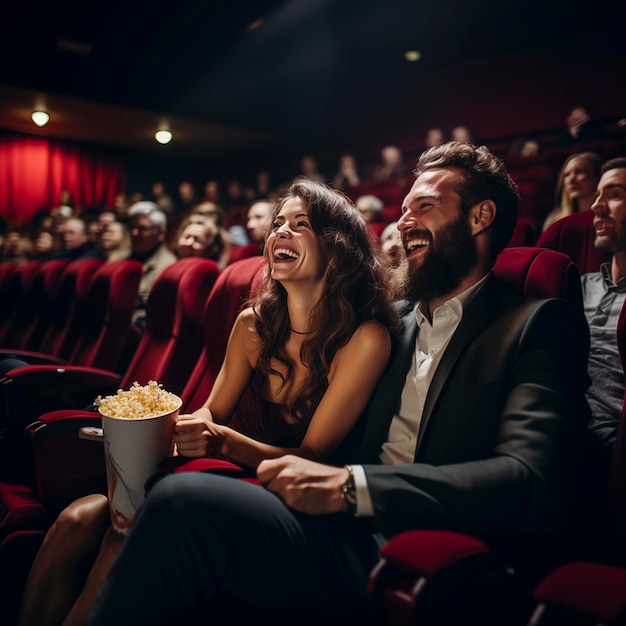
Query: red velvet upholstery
43,301
66,466
540,273
62,333
574,235
431,576
103,326
234,286
578,590
18,304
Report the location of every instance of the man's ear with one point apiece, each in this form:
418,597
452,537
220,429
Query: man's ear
482,216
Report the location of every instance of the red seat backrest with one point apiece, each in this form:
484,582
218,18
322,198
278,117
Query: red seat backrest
540,273
236,283
171,341
43,298
63,328
17,305
574,235
104,318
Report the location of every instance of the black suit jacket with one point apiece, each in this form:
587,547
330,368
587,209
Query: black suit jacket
502,425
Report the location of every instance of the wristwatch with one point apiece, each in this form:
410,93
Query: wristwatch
348,492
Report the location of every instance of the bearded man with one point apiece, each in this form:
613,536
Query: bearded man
475,426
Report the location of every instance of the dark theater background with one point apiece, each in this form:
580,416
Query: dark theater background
246,86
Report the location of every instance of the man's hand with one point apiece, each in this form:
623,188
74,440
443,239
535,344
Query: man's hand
304,485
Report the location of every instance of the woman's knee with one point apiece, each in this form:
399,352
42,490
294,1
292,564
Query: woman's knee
82,523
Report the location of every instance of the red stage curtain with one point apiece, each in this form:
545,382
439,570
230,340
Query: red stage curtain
34,171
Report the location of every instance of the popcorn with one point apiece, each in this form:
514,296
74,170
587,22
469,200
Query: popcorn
138,401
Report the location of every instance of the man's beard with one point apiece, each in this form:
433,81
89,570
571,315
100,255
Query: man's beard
449,259
613,244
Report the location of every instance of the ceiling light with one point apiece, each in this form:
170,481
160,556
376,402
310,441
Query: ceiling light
40,118
412,55
163,136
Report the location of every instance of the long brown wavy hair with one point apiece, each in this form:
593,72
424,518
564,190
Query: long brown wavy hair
357,289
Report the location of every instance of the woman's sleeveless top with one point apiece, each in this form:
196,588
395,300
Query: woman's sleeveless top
263,420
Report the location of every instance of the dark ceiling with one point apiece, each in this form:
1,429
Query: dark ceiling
109,73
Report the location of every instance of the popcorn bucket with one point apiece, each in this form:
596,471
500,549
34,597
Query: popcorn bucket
133,448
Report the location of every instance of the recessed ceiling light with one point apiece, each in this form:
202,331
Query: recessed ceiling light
254,25
163,136
412,55
40,118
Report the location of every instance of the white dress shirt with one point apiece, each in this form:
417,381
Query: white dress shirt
432,341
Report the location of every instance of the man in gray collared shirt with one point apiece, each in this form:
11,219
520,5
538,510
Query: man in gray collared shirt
604,293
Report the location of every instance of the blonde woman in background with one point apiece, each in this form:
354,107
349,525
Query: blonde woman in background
576,185
201,236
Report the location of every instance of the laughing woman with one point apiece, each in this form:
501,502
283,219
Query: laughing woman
301,365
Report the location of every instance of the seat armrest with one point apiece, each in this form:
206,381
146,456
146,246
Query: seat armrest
66,465
30,391
31,357
428,575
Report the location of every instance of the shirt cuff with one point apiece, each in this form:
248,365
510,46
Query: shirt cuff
364,506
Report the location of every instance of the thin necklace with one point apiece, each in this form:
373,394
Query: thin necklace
297,332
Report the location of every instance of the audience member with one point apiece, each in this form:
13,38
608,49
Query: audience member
529,149
370,206
263,185
234,195
43,245
201,236
162,199
391,164
211,191
121,204
115,241
576,186
186,198
148,231
581,127
260,216
434,138
482,435
391,244
287,385
461,133
259,220
75,242
16,248
211,210
309,169
348,174
604,293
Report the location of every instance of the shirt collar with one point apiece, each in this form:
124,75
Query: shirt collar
456,304
619,286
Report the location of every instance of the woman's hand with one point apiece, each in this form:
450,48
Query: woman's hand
196,435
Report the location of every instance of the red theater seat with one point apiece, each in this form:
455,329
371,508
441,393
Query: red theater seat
574,235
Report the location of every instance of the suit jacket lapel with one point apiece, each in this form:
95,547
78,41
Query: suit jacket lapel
476,316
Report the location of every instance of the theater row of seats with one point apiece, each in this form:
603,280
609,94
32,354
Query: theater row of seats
421,576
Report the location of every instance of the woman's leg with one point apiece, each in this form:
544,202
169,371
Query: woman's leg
108,551
199,536
59,570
